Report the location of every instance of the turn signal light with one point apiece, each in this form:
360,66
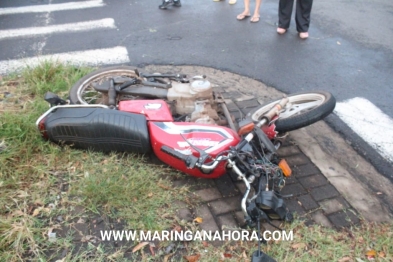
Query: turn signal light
246,129
285,167
42,129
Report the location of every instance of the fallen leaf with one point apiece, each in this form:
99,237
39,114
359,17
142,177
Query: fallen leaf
344,259
371,253
338,43
150,194
193,258
205,244
226,255
298,246
166,258
381,254
177,228
36,212
164,187
152,250
139,246
198,220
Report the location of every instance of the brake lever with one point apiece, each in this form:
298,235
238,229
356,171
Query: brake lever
202,154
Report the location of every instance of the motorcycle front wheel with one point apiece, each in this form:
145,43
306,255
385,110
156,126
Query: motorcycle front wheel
83,91
303,109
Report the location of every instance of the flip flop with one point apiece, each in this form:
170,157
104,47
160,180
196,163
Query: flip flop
232,2
255,19
241,16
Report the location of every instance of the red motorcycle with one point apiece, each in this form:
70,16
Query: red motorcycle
187,126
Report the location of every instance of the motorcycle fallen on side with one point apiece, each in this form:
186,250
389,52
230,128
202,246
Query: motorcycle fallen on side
188,127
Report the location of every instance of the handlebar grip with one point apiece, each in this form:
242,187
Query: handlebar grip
277,107
190,160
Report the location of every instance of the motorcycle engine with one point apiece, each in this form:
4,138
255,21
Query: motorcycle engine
195,99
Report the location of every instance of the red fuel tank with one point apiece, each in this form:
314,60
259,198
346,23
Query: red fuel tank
179,135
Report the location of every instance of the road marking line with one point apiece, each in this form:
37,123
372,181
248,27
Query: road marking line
72,27
369,122
51,7
116,55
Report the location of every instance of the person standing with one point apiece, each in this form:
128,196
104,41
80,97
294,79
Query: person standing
302,16
246,13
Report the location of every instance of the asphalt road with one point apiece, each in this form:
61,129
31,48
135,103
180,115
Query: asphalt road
349,52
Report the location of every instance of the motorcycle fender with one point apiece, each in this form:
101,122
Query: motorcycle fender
99,129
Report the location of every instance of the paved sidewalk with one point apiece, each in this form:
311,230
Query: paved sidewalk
327,184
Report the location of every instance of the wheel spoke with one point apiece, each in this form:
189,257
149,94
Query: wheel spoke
297,108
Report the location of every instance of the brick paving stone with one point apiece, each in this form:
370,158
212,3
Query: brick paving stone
185,214
247,104
288,151
324,192
308,202
293,190
344,218
305,170
321,219
242,188
226,186
227,222
291,180
208,194
240,218
246,110
208,224
225,205
313,181
333,205
201,183
294,207
237,114
297,160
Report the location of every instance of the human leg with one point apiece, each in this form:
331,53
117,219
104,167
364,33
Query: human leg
246,11
303,11
255,16
284,13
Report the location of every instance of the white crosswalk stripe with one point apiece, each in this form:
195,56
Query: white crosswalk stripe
51,7
95,57
105,56
366,120
71,27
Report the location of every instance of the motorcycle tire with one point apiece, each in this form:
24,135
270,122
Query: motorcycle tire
82,92
303,109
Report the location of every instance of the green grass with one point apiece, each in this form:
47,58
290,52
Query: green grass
41,181
31,170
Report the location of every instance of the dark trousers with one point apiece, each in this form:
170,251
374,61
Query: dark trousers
302,18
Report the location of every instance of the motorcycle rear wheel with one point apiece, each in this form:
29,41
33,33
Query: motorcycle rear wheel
303,109
84,93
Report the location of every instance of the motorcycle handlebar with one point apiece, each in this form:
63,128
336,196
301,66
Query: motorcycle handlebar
273,112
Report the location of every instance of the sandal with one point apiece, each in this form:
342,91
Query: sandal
241,16
255,19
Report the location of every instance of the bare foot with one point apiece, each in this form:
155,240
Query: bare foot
243,15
